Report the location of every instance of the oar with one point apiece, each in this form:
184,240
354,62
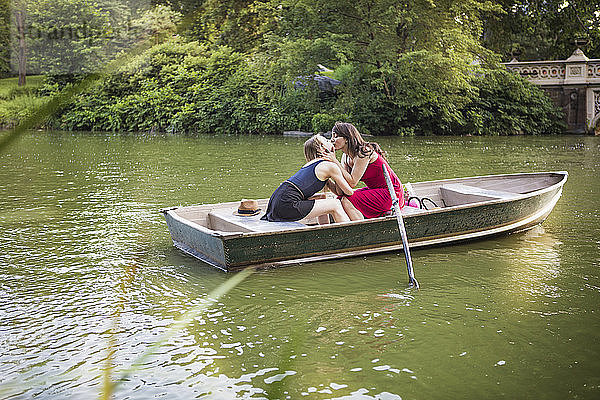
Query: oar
412,281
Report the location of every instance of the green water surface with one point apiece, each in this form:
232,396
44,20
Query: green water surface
87,265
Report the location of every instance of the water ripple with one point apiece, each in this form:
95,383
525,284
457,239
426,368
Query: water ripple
90,279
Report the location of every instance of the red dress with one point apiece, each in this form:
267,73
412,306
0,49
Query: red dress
374,199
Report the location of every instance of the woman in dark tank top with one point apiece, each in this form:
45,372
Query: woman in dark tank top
292,201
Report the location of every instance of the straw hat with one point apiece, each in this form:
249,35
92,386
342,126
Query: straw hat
247,208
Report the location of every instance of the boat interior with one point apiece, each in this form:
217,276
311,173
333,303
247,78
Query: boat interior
441,194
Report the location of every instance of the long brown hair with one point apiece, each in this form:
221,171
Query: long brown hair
357,146
312,147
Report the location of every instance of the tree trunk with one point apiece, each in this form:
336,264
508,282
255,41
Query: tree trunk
20,19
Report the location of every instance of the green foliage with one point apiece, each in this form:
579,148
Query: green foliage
4,38
544,30
432,91
415,67
185,87
508,104
142,95
188,87
323,122
406,67
424,94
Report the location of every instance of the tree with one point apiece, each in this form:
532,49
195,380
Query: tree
394,58
20,13
5,45
239,24
543,29
66,36
74,37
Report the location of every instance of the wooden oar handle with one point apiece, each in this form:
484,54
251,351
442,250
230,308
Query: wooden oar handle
390,186
411,276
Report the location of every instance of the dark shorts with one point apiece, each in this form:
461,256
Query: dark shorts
287,204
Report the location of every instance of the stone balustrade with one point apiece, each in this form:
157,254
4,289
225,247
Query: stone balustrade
554,72
573,84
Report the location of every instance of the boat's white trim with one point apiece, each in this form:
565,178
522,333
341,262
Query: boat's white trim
448,180
529,221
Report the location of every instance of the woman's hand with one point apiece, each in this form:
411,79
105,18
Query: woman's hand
341,186
328,156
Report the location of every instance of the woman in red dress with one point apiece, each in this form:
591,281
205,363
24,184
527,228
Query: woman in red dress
363,161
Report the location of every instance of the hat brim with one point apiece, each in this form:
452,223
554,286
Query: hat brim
247,214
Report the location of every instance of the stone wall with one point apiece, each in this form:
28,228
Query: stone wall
573,84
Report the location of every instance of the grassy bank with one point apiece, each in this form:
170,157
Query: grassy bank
17,101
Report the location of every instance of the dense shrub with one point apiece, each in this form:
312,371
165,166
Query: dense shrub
323,122
188,88
506,105
430,94
184,87
175,87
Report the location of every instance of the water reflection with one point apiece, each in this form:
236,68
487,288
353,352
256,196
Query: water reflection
536,263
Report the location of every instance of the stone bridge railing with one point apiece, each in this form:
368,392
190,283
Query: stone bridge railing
555,72
573,84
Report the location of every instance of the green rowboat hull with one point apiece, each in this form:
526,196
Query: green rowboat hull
231,251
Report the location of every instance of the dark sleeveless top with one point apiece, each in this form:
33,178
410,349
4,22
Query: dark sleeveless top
306,180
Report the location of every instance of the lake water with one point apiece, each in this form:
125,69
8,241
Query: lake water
87,269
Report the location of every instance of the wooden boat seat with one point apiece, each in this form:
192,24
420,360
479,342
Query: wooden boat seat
455,194
225,220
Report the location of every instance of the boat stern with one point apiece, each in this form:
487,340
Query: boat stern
195,239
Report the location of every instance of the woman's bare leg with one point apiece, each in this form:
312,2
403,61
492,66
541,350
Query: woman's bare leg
329,206
351,211
323,219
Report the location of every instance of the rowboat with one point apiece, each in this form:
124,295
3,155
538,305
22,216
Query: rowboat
466,209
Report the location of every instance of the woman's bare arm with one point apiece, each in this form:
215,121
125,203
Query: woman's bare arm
359,166
353,174
331,170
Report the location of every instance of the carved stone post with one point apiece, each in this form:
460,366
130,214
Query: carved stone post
576,80
576,73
